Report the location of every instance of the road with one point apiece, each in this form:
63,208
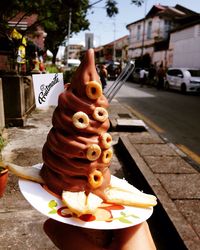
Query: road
176,117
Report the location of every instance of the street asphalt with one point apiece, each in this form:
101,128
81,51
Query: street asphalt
140,155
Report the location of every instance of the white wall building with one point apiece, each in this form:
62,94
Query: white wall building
185,47
150,35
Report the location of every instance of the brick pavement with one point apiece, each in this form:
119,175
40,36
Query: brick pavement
173,180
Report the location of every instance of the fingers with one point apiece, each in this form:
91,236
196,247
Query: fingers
55,231
67,237
136,237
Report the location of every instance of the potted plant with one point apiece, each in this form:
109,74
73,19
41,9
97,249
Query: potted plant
3,170
3,179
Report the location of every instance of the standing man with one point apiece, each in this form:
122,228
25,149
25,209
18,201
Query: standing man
142,77
161,77
103,75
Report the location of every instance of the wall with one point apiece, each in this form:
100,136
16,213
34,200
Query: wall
18,99
157,32
2,119
185,45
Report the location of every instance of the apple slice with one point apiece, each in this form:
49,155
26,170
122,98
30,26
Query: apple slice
123,193
80,203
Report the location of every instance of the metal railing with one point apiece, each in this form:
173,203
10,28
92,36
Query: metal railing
121,79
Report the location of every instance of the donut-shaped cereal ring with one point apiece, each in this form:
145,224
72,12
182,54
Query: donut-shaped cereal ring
100,114
95,179
93,90
93,152
107,155
80,120
106,140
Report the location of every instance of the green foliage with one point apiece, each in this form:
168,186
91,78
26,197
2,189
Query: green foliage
68,74
1,169
53,15
137,2
111,8
52,69
2,143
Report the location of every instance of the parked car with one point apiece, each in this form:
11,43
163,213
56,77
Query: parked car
113,70
183,79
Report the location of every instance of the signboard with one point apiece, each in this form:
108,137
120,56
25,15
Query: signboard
47,88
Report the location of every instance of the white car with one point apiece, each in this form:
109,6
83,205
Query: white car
183,79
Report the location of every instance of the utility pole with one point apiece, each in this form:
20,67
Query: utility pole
114,44
143,29
68,35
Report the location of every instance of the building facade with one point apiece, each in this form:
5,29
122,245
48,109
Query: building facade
184,46
150,35
74,51
115,51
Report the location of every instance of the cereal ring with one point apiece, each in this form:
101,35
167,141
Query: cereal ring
95,179
100,114
107,155
80,120
93,152
105,140
93,90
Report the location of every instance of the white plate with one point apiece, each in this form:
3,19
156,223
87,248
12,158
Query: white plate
109,217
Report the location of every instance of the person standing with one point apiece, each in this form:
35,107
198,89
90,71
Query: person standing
142,77
151,75
161,77
103,75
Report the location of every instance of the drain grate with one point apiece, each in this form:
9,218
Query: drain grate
130,125
124,115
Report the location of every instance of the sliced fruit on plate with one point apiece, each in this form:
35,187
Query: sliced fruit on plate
80,203
119,192
124,197
28,173
123,193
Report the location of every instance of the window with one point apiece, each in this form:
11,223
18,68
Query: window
138,32
179,73
149,30
172,72
167,27
194,73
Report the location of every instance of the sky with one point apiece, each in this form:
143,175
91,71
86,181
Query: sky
107,29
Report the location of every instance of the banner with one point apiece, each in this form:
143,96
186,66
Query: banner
47,88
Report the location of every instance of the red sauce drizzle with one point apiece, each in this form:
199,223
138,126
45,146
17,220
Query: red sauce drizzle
113,207
87,217
59,212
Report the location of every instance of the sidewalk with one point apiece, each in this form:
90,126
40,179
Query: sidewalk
174,181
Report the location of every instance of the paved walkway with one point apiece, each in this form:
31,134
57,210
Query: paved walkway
173,180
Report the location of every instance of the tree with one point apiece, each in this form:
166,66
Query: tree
59,30
53,15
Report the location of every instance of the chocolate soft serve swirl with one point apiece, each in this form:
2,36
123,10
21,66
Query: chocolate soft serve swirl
77,151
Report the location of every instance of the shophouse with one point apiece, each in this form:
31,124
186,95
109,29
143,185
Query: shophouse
114,51
150,36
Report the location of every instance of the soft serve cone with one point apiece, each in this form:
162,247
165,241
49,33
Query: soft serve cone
78,152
